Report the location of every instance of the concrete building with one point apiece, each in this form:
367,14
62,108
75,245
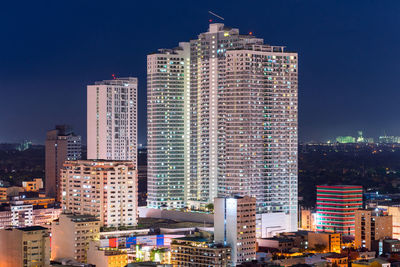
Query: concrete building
105,257
33,186
336,206
371,225
71,235
106,189
112,120
235,226
330,241
395,212
239,123
28,246
61,145
198,251
308,220
167,129
3,193
376,262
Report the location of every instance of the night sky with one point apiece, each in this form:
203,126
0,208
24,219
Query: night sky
349,54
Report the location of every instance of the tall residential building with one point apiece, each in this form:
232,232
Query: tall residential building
61,145
371,225
235,226
236,126
336,206
106,189
112,119
167,129
28,246
71,235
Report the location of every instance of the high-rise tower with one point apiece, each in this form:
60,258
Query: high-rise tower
61,145
168,127
111,119
239,123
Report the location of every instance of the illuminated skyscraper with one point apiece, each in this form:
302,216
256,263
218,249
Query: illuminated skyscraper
111,120
336,206
239,122
167,128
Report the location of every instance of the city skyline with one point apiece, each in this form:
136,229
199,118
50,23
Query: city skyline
65,57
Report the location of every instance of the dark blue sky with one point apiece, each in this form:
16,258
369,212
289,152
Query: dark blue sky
50,50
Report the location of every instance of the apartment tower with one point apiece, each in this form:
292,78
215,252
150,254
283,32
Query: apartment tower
167,129
61,145
239,122
111,119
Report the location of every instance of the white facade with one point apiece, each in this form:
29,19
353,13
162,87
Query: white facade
240,124
235,226
112,120
167,129
106,189
271,224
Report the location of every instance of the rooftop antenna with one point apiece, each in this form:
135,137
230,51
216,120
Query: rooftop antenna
215,15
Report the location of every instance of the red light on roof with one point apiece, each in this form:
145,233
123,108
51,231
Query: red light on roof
251,33
210,20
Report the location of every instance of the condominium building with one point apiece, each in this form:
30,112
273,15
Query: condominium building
198,251
71,235
235,226
111,119
336,206
371,225
236,126
61,145
168,130
106,189
26,247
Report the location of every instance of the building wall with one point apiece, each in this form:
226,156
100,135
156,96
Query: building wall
107,189
13,243
332,241
71,236
336,207
168,128
235,225
371,226
60,145
112,120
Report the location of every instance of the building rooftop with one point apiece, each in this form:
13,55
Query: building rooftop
82,218
32,228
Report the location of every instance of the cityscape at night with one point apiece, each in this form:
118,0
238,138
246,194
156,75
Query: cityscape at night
206,133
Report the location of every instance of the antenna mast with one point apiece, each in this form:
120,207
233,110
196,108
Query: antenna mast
215,15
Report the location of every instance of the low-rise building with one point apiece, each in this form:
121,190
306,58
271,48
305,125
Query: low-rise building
101,257
276,242
28,246
71,235
326,242
337,260
384,246
198,251
33,186
371,262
